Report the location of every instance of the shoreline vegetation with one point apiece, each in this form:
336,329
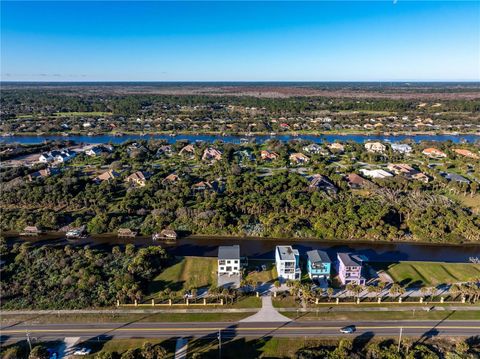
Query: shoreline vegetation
57,235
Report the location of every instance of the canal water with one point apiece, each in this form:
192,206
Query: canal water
264,248
471,138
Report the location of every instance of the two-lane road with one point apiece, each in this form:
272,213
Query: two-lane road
231,330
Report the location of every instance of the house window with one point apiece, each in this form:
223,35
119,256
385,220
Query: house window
222,269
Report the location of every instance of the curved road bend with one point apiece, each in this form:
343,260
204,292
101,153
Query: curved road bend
231,330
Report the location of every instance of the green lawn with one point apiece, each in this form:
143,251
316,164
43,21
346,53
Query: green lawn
122,345
185,273
386,315
9,319
429,273
269,347
265,275
284,302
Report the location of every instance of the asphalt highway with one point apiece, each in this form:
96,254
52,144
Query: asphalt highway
231,330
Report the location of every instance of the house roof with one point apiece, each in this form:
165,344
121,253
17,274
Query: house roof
316,256
287,252
353,178
351,260
229,252
456,178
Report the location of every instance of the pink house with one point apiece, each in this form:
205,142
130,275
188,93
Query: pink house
350,268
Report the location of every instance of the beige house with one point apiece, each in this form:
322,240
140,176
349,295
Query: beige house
138,179
298,158
211,154
375,147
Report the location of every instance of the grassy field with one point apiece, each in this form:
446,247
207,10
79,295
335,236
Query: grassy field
468,201
9,319
185,273
429,273
386,315
269,347
268,275
284,302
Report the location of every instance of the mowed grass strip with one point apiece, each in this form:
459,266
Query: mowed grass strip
268,275
430,273
185,273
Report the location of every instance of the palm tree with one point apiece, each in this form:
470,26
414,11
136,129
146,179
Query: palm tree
394,289
330,292
424,291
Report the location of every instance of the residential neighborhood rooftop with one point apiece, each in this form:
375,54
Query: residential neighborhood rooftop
229,252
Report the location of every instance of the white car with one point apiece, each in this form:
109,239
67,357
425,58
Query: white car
347,330
82,351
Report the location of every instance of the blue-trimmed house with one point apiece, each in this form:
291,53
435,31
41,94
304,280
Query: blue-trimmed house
318,265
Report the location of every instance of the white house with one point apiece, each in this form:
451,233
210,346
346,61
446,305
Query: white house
376,173
229,260
401,147
287,261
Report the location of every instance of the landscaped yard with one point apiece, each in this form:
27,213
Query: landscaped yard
429,273
185,273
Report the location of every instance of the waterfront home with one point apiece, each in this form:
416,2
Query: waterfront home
466,153
434,153
188,150
287,261
107,176
313,149
298,158
126,232
320,182
94,151
336,147
211,154
229,260
401,147
357,182
138,178
57,155
318,265
268,155
375,147
165,234
350,268
98,150
164,150
31,231
244,155
453,177
376,173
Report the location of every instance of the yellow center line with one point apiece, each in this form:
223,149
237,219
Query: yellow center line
224,329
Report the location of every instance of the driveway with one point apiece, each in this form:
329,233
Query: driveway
267,314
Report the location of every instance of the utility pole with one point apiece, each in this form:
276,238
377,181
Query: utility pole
28,340
399,340
219,343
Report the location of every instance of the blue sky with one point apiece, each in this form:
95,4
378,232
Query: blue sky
240,41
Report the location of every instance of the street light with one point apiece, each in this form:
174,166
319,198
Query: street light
219,336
